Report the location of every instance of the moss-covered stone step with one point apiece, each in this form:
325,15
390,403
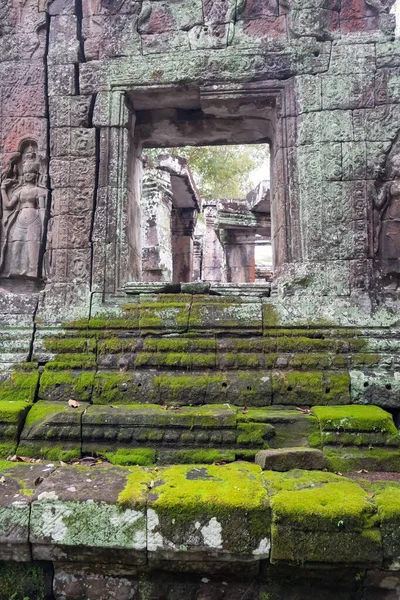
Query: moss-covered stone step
12,418
209,511
19,384
66,384
310,388
225,314
286,459
187,514
52,430
356,426
322,518
242,388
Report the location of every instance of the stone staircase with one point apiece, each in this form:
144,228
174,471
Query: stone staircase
226,438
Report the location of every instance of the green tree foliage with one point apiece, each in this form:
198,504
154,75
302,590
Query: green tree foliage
221,171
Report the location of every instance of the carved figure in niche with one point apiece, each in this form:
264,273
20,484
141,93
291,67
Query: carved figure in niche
387,215
23,197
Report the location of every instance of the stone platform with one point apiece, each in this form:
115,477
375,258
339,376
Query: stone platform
231,521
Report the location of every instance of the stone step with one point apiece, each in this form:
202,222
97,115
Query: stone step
285,459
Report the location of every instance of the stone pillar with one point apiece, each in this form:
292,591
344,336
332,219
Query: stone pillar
239,252
156,206
197,257
214,265
183,223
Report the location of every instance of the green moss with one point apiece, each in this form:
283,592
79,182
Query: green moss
22,582
387,499
135,491
66,384
324,502
13,412
205,456
69,345
115,345
164,315
270,316
175,360
310,361
182,389
239,359
365,360
7,449
355,418
234,494
254,434
132,456
346,460
178,345
50,452
41,411
246,454
310,388
72,361
117,388
19,386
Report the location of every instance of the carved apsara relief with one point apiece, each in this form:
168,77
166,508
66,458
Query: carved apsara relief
387,218
23,213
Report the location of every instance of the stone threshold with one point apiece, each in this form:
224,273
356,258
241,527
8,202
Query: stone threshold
258,290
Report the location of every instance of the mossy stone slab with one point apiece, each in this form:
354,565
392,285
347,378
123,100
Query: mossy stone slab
18,385
242,388
291,458
52,430
219,512
183,389
168,313
66,384
387,499
292,427
17,488
12,417
322,518
352,458
152,425
310,388
77,515
126,387
210,313
350,417
318,501
293,545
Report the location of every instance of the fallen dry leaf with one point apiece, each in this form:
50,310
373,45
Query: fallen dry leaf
24,459
73,403
305,411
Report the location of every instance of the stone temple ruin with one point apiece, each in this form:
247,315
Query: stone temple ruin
199,428
174,251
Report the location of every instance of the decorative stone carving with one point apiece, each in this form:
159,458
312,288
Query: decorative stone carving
387,213
23,204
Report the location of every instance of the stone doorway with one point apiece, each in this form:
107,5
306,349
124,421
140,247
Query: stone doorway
166,193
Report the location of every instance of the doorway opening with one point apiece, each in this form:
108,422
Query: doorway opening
201,188
206,214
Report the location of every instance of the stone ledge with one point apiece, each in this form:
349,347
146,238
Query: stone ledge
196,514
